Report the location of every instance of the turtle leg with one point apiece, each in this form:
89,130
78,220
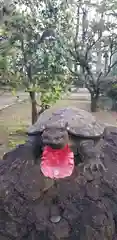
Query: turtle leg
90,154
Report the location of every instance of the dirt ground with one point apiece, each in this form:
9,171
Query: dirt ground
14,121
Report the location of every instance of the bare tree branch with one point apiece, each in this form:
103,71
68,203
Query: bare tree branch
90,46
82,62
98,78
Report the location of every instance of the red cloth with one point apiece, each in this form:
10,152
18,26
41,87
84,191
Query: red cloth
57,163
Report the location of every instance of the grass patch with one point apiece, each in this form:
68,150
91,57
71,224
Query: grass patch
13,124
20,130
17,136
12,143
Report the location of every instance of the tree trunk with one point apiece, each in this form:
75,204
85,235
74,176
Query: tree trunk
94,101
34,107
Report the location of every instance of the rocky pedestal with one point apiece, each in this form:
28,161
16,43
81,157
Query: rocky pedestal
88,204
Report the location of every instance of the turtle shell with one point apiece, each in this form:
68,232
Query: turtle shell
79,122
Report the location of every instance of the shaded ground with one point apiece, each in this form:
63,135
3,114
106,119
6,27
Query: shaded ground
14,120
8,98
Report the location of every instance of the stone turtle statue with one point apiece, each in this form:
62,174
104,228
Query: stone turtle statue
73,126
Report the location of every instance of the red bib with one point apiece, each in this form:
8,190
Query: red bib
57,163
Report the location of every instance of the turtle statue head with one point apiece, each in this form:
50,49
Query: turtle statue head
55,136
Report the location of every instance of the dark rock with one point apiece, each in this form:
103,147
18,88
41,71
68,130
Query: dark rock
88,205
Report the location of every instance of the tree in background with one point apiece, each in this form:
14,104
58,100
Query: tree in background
92,47
59,43
40,67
